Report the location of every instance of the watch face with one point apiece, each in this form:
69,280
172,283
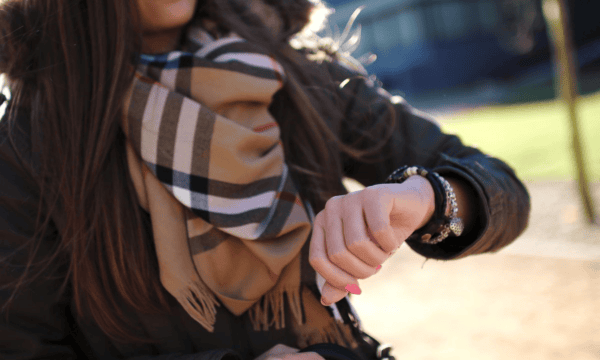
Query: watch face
456,226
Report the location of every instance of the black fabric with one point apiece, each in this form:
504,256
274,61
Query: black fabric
40,324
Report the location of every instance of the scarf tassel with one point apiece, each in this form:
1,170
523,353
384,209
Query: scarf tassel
200,303
334,333
273,304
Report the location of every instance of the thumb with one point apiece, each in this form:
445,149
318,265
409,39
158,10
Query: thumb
331,295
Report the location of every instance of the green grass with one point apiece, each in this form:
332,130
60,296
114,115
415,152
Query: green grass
534,138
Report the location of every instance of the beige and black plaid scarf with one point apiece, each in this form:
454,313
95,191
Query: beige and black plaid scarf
208,165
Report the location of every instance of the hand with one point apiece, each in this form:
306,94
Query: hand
283,352
357,232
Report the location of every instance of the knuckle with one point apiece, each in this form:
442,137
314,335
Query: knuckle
338,282
358,248
379,230
342,260
320,217
367,193
339,257
337,279
387,246
371,193
350,199
382,239
332,203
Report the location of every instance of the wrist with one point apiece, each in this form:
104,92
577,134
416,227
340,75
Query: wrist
427,195
441,224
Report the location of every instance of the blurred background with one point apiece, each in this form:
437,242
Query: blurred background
469,52
488,70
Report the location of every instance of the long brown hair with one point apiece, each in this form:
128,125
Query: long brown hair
68,65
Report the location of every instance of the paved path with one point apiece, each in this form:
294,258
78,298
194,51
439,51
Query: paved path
539,298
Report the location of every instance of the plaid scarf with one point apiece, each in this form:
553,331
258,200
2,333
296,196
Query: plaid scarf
206,159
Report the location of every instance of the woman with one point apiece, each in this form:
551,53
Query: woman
162,163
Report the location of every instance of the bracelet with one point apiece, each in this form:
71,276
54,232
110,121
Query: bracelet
444,220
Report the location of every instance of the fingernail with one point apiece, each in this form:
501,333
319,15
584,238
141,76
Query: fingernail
354,289
378,268
324,303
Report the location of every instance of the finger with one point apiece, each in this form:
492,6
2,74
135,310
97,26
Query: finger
372,238
331,295
359,242
377,216
337,252
319,261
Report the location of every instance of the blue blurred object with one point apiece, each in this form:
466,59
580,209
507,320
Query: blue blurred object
424,46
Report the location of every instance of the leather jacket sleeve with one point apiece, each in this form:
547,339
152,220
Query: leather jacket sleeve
39,323
503,201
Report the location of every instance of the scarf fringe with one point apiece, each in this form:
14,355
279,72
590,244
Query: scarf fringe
334,333
200,303
295,302
273,304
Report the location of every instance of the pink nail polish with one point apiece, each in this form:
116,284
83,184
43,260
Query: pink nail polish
354,289
378,268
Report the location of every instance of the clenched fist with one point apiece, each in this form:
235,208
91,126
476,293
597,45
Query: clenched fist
358,232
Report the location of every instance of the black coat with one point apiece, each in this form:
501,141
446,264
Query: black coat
41,324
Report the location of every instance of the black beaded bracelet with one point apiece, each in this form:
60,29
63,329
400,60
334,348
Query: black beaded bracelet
440,225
